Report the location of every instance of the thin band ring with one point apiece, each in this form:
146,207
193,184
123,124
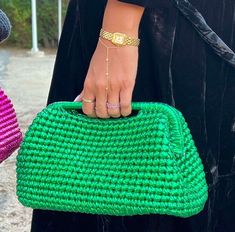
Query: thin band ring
87,100
113,105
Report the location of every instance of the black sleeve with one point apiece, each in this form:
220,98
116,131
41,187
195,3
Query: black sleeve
149,3
136,2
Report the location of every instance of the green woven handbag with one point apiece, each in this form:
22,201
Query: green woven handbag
143,164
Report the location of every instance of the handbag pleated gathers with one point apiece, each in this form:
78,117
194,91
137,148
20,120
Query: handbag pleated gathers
141,164
10,133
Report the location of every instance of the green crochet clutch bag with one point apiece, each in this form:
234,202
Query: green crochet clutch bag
143,164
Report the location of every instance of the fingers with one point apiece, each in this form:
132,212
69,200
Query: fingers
101,99
88,102
125,101
89,107
113,104
102,105
94,98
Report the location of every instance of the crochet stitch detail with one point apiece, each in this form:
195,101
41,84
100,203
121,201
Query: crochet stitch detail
144,164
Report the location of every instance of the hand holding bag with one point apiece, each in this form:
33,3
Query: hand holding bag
143,164
10,134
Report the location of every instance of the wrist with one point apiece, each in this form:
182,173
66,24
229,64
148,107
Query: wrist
130,31
122,17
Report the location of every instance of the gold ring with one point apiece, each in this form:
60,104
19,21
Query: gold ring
88,100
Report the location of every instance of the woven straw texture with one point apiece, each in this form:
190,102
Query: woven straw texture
143,164
10,134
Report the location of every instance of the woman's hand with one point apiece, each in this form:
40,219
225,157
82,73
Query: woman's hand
109,94
114,89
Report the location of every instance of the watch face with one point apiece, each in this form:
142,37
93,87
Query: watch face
118,39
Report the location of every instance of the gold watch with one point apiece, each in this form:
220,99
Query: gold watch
119,39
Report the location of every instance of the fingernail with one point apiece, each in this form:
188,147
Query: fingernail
78,98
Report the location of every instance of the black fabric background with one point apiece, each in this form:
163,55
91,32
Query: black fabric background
143,3
177,67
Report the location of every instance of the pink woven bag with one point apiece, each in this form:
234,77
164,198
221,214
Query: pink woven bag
10,134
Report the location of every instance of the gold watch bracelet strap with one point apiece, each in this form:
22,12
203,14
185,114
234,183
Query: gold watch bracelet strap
127,39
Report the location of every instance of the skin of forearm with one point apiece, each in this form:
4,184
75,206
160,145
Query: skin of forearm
122,17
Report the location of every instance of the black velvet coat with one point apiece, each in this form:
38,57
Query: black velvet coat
182,62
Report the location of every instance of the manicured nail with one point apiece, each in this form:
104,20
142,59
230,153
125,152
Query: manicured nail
78,98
